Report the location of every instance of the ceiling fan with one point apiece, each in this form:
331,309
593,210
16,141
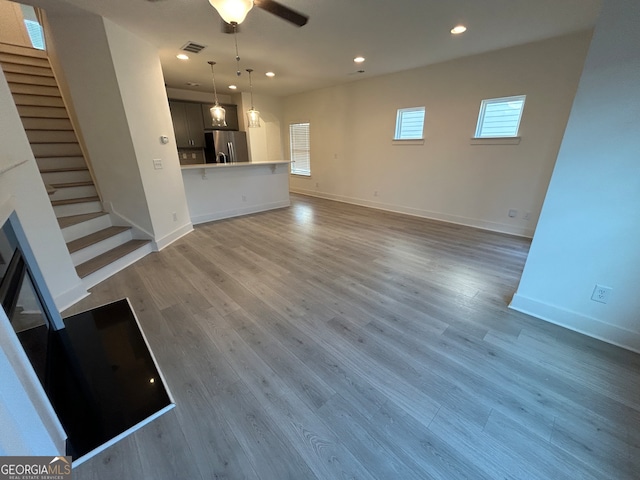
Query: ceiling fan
233,12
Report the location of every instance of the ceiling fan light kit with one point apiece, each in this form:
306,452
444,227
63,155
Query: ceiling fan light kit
232,11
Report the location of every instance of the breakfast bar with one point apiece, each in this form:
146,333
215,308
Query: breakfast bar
222,190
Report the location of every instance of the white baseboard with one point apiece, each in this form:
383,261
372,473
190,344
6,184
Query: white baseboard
173,236
416,212
71,296
236,212
577,322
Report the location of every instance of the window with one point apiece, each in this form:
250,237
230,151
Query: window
409,123
300,149
34,29
500,117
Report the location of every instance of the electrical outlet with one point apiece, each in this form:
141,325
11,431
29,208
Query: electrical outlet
317,184
513,213
527,216
157,163
375,194
601,294
175,217
244,198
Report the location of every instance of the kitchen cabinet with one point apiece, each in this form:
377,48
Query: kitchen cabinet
231,116
188,124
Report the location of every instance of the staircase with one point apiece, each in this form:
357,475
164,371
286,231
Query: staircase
98,244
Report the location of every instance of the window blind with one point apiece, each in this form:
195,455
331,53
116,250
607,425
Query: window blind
300,148
500,117
409,123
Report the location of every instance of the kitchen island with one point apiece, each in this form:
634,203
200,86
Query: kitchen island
222,190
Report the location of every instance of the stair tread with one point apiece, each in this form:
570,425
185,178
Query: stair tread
65,222
94,238
87,183
69,201
63,169
87,268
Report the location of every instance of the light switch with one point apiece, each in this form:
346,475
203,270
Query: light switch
157,163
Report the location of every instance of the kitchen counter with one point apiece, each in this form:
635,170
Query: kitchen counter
223,190
200,166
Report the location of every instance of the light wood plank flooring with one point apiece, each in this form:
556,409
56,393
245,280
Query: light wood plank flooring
329,341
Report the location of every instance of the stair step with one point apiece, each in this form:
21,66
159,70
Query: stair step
70,201
27,69
51,136
94,238
61,162
70,209
21,50
78,226
66,222
67,169
53,150
36,81
72,184
26,99
30,88
95,264
47,124
42,112
6,57
73,193
65,176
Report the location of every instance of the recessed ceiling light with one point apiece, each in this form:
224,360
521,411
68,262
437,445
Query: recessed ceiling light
232,87
358,59
270,74
192,84
182,56
458,29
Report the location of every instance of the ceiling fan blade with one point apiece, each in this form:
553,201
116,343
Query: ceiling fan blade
281,11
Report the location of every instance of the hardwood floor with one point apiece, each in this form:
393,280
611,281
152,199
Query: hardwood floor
329,341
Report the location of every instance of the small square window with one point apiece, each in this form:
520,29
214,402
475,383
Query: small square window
500,117
409,124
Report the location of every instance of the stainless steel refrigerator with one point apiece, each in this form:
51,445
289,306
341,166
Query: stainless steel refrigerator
226,146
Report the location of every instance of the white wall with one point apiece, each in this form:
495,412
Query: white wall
117,90
82,48
589,230
265,143
352,125
141,84
195,96
22,189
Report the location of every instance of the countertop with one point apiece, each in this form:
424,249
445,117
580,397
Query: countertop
231,165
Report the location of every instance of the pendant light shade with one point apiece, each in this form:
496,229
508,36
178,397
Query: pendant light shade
232,11
218,115
217,112
253,116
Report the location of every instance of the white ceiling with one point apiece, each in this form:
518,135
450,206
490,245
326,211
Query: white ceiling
393,35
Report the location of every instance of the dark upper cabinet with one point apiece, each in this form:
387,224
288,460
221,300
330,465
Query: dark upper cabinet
231,117
188,124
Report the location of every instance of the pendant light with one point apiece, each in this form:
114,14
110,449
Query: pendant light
217,112
232,11
253,116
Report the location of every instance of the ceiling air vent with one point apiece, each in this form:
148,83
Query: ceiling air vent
193,47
